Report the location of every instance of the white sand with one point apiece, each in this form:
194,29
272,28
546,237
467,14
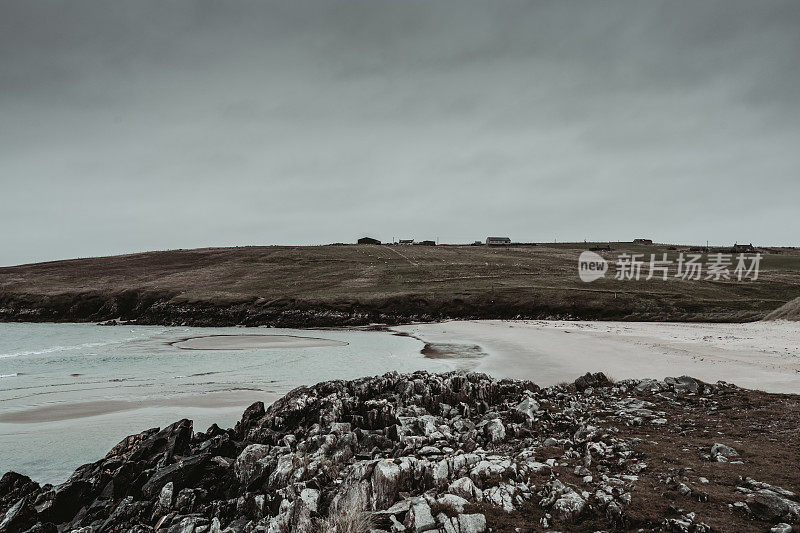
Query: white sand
759,355
251,342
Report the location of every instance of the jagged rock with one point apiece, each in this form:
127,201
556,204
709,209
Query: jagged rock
250,418
419,517
19,517
501,495
527,408
173,440
495,430
248,466
67,499
181,474
591,380
14,486
396,446
385,480
465,488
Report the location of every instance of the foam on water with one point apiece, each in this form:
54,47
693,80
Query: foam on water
83,346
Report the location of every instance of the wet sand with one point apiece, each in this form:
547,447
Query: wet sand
75,410
251,342
759,355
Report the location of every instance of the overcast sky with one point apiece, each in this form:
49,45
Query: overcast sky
142,125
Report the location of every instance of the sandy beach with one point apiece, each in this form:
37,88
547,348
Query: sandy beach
757,355
253,342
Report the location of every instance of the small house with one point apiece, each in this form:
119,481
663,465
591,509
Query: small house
742,248
498,241
642,241
406,241
427,243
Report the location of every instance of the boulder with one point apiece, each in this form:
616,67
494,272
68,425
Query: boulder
527,408
768,505
419,517
568,506
67,500
19,517
495,430
248,467
683,385
723,450
465,488
385,481
250,418
471,523
590,380
182,474
453,502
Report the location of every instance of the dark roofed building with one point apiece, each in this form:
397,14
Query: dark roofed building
368,240
497,241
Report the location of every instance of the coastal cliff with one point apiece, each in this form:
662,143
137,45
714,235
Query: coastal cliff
460,453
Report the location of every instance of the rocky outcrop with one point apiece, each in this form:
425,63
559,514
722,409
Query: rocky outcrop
419,452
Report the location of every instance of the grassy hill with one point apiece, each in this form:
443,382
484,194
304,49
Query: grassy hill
361,284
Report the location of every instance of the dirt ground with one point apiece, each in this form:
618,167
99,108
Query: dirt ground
765,430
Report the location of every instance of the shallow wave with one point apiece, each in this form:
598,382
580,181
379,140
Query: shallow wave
15,374
54,349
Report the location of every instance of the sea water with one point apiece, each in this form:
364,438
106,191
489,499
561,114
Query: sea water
70,392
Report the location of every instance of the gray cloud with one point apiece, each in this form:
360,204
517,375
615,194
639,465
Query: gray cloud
150,125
